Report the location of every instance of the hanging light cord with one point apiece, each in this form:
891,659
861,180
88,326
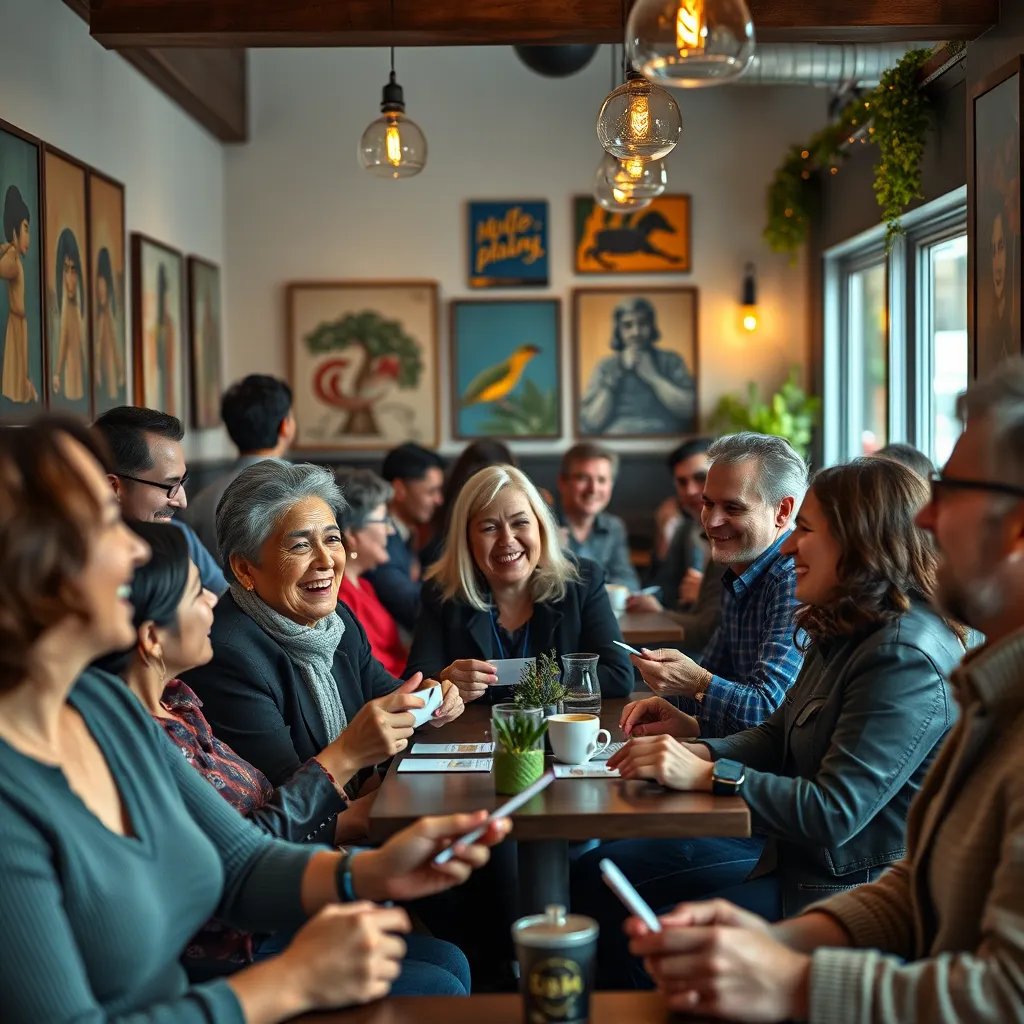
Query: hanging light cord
392,37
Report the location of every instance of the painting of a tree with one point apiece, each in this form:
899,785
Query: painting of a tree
364,363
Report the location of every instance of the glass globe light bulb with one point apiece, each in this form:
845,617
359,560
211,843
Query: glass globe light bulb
393,145
639,120
613,198
690,43
634,177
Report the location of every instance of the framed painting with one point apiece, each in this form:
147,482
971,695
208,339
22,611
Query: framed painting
505,368
654,240
994,228
66,276
204,328
22,354
158,326
635,362
107,267
363,358
508,243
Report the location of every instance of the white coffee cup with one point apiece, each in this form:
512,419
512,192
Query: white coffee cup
618,595
576,738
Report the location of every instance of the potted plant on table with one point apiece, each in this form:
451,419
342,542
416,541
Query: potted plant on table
540,685
518,748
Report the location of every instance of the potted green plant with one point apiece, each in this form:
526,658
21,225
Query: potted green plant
790,413
540,685
518,749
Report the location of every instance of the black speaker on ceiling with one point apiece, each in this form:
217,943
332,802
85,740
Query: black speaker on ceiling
556,61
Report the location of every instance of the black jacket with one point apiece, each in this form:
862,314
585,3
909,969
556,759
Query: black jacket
831,773
582,621
256,701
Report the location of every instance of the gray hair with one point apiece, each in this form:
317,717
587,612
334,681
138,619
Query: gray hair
999,398
782,473
364,491
256,500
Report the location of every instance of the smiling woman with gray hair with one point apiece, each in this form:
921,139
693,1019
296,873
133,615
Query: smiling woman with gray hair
293,677
366,526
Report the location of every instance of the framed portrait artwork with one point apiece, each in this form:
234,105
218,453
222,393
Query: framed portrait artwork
995,217
158,326
654,240
505,368
67,282
204,322
635,362
22,356
363,363
508,243
107,269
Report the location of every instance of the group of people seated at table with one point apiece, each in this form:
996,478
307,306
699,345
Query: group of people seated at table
198,701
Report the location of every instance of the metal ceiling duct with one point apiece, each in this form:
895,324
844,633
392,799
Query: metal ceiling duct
822,64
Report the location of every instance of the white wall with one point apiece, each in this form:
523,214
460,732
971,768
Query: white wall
299,207
59,85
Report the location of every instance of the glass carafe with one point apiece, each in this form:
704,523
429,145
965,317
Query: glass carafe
583,688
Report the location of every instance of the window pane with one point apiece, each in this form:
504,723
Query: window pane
947,266
869,353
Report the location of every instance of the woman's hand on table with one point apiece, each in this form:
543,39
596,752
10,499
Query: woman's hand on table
451,706
714,959
471,676
654,716
403,868
665,760
346,954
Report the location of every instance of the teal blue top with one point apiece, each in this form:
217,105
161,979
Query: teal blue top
94,922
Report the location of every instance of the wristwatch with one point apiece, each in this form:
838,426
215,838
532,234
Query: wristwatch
727,777
702,689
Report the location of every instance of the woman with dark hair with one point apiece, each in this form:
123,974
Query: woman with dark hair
475,456
109,369
114,850
829,776
172,618
15,380
69,364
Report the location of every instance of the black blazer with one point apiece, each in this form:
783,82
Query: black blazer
256,701
582,621
831,773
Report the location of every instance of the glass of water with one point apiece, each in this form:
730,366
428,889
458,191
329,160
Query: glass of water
583,688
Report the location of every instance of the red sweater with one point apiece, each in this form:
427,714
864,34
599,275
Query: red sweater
381,629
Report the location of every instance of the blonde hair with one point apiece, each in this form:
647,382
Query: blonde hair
457,573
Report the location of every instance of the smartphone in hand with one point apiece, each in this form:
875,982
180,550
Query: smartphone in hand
631,899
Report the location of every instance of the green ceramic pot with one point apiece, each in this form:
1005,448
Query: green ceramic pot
514,772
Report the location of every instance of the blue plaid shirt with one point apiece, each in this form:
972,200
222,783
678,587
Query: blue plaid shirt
752,655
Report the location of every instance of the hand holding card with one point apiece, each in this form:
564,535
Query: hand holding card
431,702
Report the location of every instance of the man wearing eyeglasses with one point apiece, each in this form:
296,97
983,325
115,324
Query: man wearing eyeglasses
149,476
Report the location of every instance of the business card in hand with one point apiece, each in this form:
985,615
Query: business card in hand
445,764
432,697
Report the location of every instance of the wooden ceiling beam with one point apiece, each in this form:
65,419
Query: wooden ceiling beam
238,23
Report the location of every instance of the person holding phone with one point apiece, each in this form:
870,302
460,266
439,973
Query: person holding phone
829,776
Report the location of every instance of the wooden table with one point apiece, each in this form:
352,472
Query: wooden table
569,809
648,629
605,1008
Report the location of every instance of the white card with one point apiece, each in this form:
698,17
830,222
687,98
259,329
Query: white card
432,696
453,748
590,770
510,669
612,748
446,764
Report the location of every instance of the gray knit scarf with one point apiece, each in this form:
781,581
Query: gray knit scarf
309,648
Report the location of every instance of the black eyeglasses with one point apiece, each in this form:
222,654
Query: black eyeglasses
171,490
952,483
386,521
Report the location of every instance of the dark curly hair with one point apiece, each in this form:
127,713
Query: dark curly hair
887,561
47,512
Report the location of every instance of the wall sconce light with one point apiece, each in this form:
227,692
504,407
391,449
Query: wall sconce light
748,309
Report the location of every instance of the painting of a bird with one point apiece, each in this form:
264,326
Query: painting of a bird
497,381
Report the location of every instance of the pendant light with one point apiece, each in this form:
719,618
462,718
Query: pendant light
612,198
635,177
639,120
690,43
393,146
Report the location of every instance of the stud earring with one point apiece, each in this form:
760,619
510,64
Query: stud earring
353,555
248,584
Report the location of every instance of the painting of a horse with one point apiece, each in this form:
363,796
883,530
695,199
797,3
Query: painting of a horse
653,240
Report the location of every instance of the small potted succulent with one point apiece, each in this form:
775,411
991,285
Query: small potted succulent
518,735
540,685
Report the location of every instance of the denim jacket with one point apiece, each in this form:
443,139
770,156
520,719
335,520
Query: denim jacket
831,773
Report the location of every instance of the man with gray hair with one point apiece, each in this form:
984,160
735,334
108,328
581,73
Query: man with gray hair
753,490
940,936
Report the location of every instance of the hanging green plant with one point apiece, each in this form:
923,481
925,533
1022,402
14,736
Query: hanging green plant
895,117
